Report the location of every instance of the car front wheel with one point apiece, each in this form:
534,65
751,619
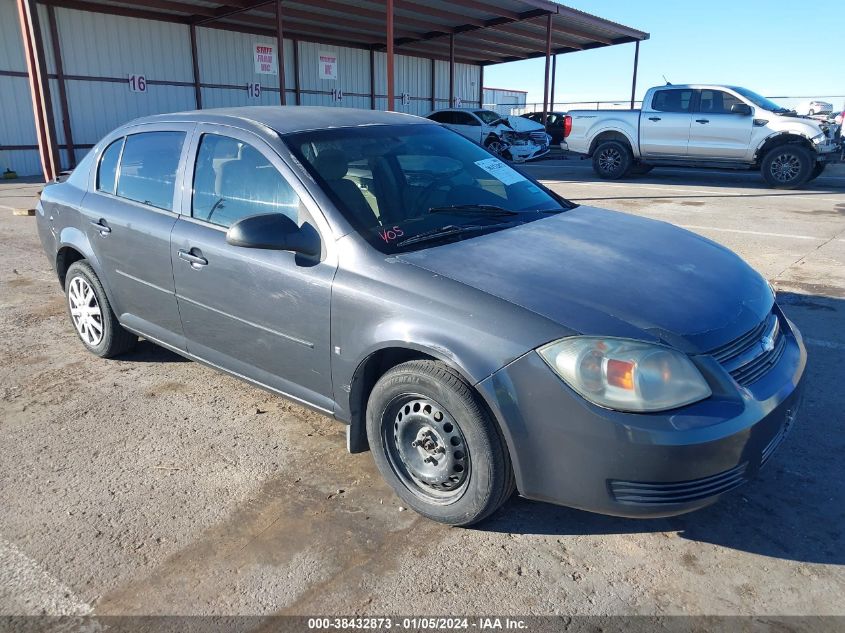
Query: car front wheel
91,314
787,166
496,146
435,444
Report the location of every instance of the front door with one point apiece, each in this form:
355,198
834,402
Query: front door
716,132
665,123
468,125
260,314
129,213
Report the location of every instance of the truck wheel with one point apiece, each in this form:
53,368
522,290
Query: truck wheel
787,166
435,444
641,169
818,168
612,160
91,315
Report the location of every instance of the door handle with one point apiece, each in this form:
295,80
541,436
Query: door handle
101,226
196,261
702,120
654,118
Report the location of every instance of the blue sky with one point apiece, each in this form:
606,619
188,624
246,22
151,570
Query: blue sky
774,47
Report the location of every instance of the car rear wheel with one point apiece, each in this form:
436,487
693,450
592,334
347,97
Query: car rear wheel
612,160
91,314
787,166
435,444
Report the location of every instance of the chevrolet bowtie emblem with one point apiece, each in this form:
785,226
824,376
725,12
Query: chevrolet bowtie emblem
767,343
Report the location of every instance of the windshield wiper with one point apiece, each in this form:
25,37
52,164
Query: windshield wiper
448,230
486,209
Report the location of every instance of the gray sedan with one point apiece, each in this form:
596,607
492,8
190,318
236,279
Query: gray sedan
476,331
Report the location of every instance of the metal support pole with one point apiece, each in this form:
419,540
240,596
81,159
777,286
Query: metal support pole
480,86
372,79
40,88
552,91
280,44
196,65
636,64
297,90
60,77
390,95
452,70
548,63
433,84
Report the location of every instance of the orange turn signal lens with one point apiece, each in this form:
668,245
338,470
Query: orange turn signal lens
620,373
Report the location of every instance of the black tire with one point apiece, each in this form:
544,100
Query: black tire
471,477
612,160
787,166
640,169
113,339
818,168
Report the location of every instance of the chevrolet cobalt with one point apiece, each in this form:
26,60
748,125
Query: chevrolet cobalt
473,329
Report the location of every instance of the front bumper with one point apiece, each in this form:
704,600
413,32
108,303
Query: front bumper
568,451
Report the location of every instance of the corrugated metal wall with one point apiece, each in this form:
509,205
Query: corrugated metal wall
17,123
100,51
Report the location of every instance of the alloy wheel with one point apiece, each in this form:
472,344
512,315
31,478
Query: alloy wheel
496,147
785,167
426,448
610,160
85,311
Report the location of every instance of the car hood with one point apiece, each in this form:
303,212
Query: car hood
601,272
521,124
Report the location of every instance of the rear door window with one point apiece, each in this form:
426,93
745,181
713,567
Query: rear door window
148,168
441,117
678,100
233,180
107,171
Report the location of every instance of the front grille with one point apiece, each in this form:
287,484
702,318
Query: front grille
539,137
642,493
749,357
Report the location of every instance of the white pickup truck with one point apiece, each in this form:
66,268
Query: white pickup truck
705,126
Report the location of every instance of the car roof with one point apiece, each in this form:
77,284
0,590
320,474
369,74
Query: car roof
290,119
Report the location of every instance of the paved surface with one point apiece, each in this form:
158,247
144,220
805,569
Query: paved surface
155,485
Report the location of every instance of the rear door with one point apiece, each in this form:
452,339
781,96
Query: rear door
665,122
260,314
716,132
129,213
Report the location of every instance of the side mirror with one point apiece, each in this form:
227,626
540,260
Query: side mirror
274,231
741,108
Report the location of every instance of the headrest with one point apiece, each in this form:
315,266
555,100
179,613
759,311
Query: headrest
331,164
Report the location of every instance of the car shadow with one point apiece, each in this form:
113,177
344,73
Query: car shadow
793,509
147,352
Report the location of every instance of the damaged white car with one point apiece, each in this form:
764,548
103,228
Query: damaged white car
512,137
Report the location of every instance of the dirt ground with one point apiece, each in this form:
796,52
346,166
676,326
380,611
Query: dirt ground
154,485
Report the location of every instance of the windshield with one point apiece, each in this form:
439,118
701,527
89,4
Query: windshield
760,102
406,187
488,116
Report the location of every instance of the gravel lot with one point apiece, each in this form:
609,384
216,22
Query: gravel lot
153,485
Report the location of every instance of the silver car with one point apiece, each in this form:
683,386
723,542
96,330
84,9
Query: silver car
475,330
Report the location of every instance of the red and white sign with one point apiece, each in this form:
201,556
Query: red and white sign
265,59
327,65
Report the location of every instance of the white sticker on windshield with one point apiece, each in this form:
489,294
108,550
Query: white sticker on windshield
500,171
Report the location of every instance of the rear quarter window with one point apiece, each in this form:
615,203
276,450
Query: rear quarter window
107,169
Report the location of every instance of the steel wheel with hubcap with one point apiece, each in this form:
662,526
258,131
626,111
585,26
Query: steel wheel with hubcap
435,444
91,314
85,311
787,166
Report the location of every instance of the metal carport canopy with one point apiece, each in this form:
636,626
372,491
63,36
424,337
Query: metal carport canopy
488,32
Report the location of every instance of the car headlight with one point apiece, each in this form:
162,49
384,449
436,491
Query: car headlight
626,375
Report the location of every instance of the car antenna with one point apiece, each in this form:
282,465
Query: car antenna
668,83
